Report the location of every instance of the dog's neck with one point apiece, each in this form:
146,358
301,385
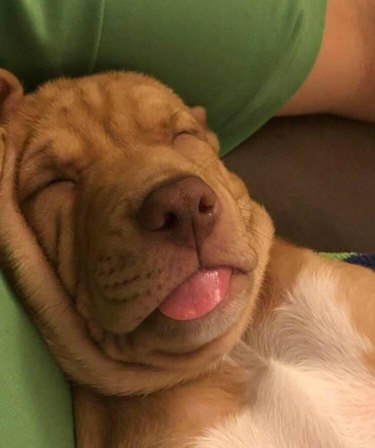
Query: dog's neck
173,417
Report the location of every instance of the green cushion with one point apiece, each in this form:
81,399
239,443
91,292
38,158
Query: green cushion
341,256
35,402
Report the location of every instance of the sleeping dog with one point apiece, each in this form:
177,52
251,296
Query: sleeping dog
159,287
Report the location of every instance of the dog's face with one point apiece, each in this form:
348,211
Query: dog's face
159,246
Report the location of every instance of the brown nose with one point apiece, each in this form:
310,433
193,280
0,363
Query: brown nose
184,210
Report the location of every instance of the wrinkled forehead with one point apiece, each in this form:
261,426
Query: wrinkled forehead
69,125
104,112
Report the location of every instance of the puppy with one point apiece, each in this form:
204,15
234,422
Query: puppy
158,284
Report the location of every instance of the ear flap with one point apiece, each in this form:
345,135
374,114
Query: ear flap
11,94
200,114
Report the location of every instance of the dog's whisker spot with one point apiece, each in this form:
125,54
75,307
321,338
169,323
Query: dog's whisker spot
115,232
121,300
119,284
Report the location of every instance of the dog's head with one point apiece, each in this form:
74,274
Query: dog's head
159,246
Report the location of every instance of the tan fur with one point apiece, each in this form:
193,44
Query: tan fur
92,281
355,283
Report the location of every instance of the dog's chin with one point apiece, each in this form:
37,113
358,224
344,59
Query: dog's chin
160,341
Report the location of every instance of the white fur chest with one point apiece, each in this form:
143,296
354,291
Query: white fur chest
308,385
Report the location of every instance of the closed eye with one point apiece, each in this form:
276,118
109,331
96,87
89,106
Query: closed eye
44,186
194,132
186,131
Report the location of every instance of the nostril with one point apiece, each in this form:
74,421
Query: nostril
184,210
170,221
206,205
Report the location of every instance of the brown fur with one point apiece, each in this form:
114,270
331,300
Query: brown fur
79,157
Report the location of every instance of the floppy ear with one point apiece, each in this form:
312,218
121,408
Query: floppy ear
200,114
11,94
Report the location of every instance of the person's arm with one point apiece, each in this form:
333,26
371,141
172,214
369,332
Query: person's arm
342,81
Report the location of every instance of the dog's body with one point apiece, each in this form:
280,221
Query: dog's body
311,385
132,210
301,377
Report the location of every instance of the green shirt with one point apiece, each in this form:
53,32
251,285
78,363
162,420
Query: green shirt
241,59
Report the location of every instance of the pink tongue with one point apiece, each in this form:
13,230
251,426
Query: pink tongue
197,296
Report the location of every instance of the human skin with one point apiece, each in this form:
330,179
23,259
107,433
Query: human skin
342,81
